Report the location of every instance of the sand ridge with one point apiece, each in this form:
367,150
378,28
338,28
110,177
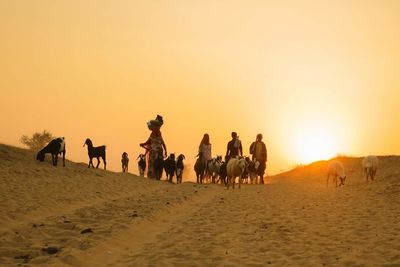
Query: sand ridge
294,220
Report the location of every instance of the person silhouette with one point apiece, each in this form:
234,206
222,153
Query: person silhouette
154,144
205,150
258,150
234,148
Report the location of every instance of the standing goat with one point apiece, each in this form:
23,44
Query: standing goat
252,169
158,165
55,147
170,167
222,171
95,152
141,164
370,166
213,167
235,168
125,162
179,168
199,168
336,169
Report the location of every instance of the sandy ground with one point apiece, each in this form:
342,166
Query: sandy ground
294,220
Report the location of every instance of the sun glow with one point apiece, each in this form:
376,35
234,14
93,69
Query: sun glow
315,143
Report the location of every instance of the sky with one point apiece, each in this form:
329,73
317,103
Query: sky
316,78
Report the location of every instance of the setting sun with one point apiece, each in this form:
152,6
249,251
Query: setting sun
314,143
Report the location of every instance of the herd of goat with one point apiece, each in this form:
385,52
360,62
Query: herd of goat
212,171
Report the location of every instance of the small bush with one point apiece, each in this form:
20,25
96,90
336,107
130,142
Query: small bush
37,141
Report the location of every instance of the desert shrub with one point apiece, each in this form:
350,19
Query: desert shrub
37,141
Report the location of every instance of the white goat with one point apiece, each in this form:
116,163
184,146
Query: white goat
213,167
336,169
370,166
235,168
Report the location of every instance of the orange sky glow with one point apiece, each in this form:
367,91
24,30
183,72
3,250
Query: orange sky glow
316,78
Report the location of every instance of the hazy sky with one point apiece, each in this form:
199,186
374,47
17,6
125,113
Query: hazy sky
317,78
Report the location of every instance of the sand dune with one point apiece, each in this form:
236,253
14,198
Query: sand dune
75,216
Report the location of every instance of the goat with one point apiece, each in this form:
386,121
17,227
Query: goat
141,164
235,168
199,168
222,171
95,152
170,167
125,162
245,175
179,168
252,169
213,167
370,166
55,147
336,169
158,165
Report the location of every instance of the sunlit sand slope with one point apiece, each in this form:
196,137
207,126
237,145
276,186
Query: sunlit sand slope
74,216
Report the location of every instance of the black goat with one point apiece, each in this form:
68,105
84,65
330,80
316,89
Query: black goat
170,167
55,147
223,172
95,152
158,165
125,162
179,168
199,168
141,164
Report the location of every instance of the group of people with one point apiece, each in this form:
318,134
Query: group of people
258,151
155,147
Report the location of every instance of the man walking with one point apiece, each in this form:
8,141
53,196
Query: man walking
259,152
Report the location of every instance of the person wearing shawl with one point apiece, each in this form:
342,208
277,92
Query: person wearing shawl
258,150
155,144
